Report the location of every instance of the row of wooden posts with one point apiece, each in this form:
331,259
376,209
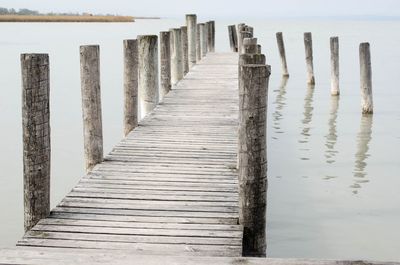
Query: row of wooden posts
365,63
180,49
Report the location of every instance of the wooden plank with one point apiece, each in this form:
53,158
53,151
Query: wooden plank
57,256
143,248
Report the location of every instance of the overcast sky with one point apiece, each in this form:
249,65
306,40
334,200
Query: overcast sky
216,8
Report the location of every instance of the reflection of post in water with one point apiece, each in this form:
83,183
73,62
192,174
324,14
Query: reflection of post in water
331,137
280,104
307,116
363,140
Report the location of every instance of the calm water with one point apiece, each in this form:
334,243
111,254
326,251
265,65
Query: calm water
333,174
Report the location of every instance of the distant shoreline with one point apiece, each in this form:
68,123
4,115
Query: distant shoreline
64,18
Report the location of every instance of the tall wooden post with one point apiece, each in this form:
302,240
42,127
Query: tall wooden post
184,40
212,35
198,42
334,43
176,56
91,105
165,63
209,26
130,86
191,23
148,73
282,53
36,137
309,58
232,38
367,104
203,38
253,158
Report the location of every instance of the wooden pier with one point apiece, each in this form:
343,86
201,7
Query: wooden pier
170,187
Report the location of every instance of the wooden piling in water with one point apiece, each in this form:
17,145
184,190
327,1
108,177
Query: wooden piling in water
243,35
198,42
191,23
165,63
367,104
282,53
309,58
176,56
91,105
203,38
253,157
184,40
250,46
148,73
36,137
232,38
130,85
334,45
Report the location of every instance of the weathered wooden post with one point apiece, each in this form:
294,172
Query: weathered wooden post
309,58
203,38
366,79
184,39
148,72
282,53
212,36
334,43
258,48
241,28
36,137
91,105
253,157
130,85
176,56
165,63
191,23
209,26
243,35
232,38
198,42
250,46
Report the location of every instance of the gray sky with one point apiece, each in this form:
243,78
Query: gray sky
216,8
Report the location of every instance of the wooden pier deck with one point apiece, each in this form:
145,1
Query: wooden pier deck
171,186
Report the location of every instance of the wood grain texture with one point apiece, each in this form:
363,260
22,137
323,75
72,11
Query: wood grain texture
165,63
334,45
58,256
232,38
185,49
253,157
282,53
177,70
367,104
130,85
309,58
148,73
91,105
35,71
191,23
